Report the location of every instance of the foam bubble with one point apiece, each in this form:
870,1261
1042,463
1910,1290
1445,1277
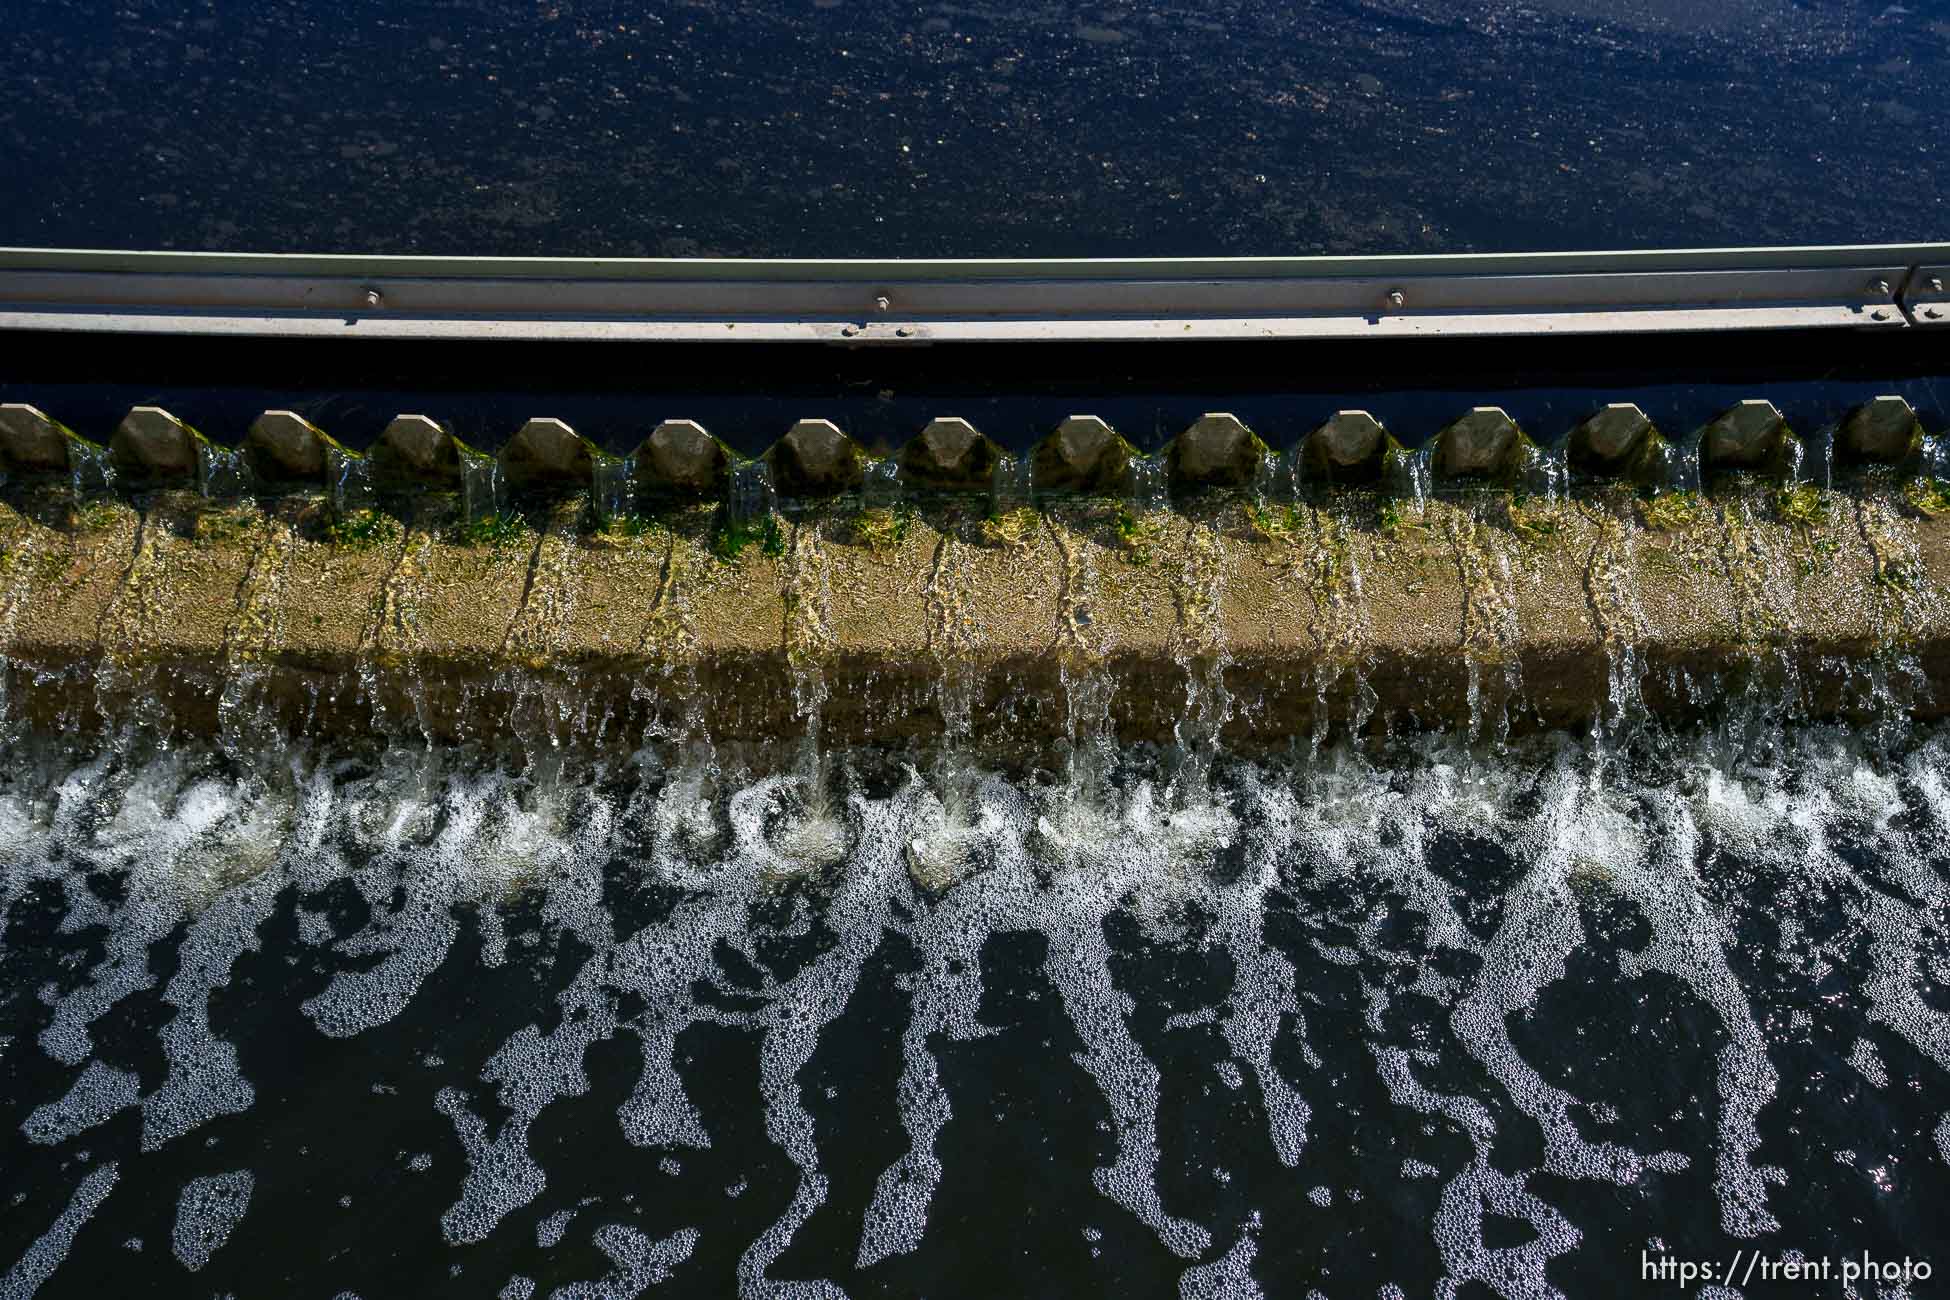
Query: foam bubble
207,1212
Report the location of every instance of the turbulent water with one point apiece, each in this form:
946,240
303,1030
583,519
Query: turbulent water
1439,1021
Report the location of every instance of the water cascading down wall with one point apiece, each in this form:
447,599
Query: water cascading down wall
786,847
1218,592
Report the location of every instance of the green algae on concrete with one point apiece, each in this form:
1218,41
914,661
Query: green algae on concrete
497,530
1009,527
1671,512
733,534
881,528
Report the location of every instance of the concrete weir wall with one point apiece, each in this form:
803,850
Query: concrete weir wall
1217,591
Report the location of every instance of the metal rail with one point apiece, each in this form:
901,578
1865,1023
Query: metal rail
1886,287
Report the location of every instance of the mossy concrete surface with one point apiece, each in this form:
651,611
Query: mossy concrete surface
187,614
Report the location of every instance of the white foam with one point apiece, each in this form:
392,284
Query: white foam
204,1081
1868,1062
1229,1277
207,1212
32,1270
98,1092
550,1231
640,1263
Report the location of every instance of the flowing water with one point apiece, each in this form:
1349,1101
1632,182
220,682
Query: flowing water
361,1022
221,472
350,477
611,491
1401,1013
481,487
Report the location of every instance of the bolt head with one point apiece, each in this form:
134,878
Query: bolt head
373,298
1936,284
882,303
1396,297
1879,286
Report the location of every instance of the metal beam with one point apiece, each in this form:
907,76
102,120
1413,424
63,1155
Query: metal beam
900,302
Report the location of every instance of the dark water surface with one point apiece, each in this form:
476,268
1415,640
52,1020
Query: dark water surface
859,128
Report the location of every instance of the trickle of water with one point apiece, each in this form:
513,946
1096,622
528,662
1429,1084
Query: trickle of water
1012,486
809,637
1410,474
351,480
1331,566
954,632
1201,652
1150,486
1681,462
1276,478
1611,585
1546,472
221,471
749,494
1814,462
90,469
1490,631
480,486
612,480
1936,456
880,487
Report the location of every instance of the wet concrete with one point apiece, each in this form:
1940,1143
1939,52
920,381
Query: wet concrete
1482,610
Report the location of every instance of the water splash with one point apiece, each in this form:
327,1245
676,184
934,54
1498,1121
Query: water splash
1486,984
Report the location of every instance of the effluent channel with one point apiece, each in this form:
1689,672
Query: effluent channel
1005,917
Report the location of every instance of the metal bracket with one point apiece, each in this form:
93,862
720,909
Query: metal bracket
1925,299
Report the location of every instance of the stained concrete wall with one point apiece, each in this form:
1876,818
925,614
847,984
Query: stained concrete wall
889,624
